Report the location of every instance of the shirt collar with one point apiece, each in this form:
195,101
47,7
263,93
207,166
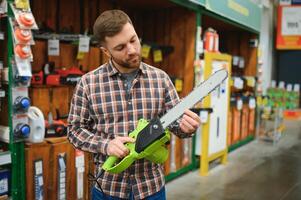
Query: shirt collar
113,70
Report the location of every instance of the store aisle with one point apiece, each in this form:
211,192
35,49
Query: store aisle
256,171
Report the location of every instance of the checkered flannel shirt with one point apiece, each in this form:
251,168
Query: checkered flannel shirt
101,109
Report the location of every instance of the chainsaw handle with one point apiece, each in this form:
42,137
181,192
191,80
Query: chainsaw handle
110,162
112,165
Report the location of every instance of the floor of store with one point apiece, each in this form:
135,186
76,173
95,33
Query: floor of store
258,170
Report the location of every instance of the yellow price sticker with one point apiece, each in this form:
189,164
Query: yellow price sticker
80,55
251,82
179,85
265,101
158,56
22,4
231,82
259,100
145,51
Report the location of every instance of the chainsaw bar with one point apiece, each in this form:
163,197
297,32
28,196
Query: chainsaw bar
198,93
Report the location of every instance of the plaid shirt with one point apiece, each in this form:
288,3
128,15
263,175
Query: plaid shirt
102,109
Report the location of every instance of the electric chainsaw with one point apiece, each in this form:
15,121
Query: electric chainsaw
151,136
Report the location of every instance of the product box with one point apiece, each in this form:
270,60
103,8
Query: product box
4,181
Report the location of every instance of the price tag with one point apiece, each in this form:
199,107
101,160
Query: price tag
241,63
80,55
289,87
53,47
79,159
145,51
252,103
251,81
158,56
239,104
265,101
178,85
2,93
84,44
3,7
200,47
259,101
38,167
238,83
235,60
24,67
296,87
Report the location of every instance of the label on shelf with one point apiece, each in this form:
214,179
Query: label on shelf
239,104
241,63
2,93
4,134
5,158
145,51
200,47
3,7
158,56
24,67
79,158
84,44
1,35
252,103
53,47
238,83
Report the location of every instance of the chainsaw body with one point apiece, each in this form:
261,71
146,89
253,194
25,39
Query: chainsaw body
152,136
150,143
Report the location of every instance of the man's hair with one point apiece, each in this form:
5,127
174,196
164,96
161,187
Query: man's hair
109,23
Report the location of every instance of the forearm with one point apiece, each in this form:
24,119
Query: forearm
85,140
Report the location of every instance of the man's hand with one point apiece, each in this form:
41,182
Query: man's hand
190,122
116,147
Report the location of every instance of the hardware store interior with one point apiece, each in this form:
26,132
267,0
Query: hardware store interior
235,132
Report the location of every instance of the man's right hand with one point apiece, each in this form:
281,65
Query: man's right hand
117,148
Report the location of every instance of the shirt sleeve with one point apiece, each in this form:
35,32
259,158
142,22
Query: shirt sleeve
172,99
80,125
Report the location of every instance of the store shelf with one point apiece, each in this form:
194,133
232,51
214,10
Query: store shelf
179,172
5,158
241,143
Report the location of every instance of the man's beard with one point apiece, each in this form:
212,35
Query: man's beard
128,64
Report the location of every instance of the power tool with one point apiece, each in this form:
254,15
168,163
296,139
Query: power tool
151,136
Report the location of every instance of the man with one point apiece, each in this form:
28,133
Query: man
109,101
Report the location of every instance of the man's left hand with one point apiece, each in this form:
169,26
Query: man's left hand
190,122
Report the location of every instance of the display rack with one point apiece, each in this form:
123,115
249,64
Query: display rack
270,124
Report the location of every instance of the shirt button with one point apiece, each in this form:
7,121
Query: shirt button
125,85
129,102
130,121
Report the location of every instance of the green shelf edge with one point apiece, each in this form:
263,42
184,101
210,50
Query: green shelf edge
184,170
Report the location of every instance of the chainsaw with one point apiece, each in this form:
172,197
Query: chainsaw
151,136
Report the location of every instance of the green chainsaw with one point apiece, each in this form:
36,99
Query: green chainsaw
151,136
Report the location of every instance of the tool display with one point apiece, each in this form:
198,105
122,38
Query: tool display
21,104
22,130
52,76
152,136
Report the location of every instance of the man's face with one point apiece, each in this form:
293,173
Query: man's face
124,48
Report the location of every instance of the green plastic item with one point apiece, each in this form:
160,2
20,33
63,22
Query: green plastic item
155,152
